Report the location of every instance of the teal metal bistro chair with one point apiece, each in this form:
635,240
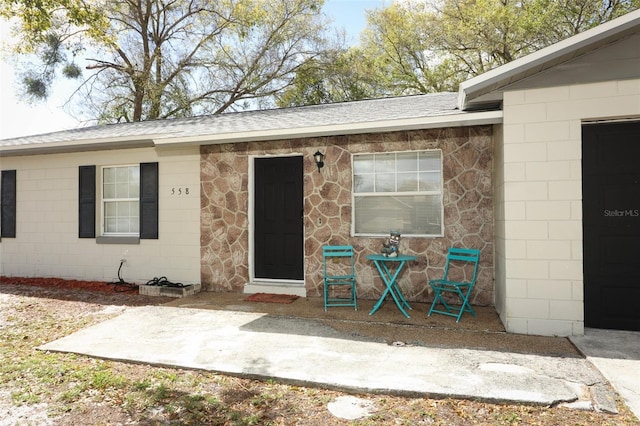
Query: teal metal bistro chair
455,281
339,276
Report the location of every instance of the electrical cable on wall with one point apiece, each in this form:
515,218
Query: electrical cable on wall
122,285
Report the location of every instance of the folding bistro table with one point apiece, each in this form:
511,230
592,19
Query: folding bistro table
390,279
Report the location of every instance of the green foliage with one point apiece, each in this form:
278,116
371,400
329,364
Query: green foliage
142,385
335,76
37,20
401,41
437,44
27,397
161,392
71,70
425,46
105,379
51,53
72,394
35,87
154,59
150,59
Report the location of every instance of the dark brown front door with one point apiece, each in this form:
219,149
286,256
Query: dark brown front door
611,225
278,218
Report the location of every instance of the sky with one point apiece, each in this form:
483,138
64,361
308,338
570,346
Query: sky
18,118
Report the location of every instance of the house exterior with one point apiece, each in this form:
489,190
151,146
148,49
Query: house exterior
532,163
565,223
48,239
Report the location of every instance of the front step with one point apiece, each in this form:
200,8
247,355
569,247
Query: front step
276,288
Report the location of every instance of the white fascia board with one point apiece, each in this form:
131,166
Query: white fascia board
502,75
452,120
83,145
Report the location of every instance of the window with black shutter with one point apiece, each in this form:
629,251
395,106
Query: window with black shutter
87,202
128,202
8,204
149,200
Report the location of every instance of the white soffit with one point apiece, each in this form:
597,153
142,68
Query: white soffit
486,89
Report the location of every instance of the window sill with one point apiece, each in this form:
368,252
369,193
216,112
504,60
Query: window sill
118,240
402,235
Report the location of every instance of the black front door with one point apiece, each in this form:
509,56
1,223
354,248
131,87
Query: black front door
611,225
278,218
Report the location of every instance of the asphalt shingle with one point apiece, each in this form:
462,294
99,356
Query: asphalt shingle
286,119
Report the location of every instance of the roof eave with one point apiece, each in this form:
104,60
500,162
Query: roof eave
86,145
447,120
450,120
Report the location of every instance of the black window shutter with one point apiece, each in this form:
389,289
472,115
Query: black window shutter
149,201
87,202
8,202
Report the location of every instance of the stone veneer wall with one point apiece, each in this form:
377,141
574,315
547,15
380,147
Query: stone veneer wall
468,208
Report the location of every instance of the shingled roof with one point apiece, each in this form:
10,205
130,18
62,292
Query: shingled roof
375,115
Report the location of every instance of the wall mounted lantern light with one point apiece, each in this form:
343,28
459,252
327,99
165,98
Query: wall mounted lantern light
319,159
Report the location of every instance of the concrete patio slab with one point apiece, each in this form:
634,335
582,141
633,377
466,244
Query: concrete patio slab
307,352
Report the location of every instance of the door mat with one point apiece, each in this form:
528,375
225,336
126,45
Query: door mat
271,298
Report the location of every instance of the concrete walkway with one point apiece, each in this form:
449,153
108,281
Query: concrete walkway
617,355
306,351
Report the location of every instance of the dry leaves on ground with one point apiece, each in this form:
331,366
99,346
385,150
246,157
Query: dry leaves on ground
43,388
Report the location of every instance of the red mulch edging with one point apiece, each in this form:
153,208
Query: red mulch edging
68,284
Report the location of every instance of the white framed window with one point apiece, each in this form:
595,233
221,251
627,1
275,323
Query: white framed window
121,200
399,191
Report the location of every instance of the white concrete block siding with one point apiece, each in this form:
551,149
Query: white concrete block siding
539,269
47,243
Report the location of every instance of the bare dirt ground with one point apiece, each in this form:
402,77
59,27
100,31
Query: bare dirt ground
40,388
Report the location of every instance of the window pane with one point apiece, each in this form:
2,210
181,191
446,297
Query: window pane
363,164
134,209
109,190
125,219
121,228
418,172
407,161
134,225
407,182
110,225
109,175
363,183
123,209
385,163
385,182
419,214
377,215
429,161
110,209
121,189
122,174
134,174
430,181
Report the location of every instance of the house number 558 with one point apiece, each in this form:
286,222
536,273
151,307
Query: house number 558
180,191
